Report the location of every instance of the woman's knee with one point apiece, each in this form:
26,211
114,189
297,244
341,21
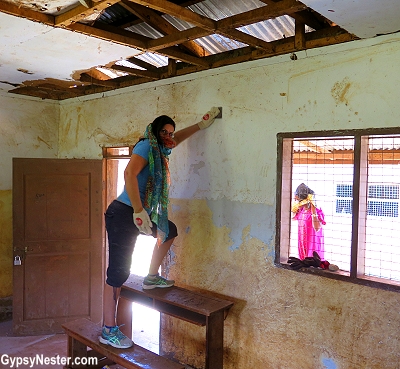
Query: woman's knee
173,230
117,277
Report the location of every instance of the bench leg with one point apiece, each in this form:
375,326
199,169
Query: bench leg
215,341
75,350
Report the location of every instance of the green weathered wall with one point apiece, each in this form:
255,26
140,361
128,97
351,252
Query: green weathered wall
223,200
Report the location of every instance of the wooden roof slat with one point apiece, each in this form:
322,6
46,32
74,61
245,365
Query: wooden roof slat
9,8
310,19
245,38
260,14
114,34
135,40
96,74
137,72
141,63
177,38
175,53
179,12
81,12
161,25
284,46
88,78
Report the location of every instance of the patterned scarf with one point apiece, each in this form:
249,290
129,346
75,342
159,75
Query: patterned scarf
157,188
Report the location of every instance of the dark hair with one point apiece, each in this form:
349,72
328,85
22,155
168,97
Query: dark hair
159,123
302,191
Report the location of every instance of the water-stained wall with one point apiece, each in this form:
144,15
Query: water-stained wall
223,200
28,128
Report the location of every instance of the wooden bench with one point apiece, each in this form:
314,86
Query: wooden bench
83,333
193,307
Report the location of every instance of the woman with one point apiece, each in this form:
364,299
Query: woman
142,207
310,221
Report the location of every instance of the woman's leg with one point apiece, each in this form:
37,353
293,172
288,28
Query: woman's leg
122,235
111,297
159,253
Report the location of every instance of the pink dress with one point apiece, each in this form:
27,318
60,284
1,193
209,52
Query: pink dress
309,240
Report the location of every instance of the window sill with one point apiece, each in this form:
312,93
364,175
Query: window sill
344,276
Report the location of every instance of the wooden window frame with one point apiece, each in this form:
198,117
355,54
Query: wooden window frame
360,185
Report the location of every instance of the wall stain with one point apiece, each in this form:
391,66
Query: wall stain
335,309
104,138
196,167
46,143
340,91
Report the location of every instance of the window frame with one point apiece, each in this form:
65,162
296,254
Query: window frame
284,198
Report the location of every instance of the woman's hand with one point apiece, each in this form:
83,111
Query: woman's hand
315,220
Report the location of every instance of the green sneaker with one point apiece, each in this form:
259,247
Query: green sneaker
115,338
156,282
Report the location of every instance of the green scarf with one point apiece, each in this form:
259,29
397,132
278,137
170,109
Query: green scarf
157,187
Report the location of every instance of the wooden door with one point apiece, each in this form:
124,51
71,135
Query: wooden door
58,232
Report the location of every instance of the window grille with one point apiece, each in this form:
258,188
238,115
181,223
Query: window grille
353,175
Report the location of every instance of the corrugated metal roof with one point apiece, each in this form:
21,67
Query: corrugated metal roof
269,30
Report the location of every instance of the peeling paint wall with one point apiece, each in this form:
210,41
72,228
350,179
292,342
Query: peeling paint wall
223,200
28,129
223,196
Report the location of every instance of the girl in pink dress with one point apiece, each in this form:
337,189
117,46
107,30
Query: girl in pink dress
310,220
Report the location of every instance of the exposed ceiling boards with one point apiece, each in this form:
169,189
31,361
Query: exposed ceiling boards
364,18
34,51
65,48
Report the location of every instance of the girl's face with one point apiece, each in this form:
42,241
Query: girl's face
167,136
167,131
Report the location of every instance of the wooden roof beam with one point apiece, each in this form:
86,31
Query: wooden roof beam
134,40
153,19
260,14
137,72
142,63
81,12
179,12
9,8
177,38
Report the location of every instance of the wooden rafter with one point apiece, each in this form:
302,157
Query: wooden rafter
137,72
81,12
161,25
179,12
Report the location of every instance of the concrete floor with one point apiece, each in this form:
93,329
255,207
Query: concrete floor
145,325
54,345
48,345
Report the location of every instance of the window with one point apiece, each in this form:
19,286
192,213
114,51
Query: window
355,177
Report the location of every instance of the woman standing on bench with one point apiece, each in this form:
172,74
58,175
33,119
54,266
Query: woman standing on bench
142,207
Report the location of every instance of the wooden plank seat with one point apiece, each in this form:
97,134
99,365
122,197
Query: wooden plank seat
194,307
84,334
